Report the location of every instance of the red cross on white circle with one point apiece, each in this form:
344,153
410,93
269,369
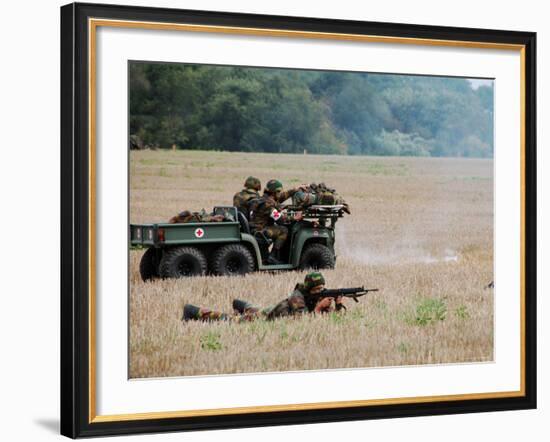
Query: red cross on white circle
199,233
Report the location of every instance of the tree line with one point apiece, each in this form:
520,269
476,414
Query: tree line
292,111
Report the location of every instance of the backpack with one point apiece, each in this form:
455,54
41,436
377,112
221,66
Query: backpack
316,194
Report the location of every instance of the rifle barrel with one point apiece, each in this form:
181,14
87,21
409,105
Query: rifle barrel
348,292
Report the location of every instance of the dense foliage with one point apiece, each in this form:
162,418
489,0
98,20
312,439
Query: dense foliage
278,110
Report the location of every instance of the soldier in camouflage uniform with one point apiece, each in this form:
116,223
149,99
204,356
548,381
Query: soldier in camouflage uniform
241,200
266,211
196,217
319,194
301,300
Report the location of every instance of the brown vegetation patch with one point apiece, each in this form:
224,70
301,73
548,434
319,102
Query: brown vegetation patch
421,230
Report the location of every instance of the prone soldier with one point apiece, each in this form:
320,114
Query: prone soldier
303,299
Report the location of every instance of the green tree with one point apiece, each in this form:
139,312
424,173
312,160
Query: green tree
284,110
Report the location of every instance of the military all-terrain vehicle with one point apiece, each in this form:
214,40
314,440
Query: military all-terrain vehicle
230,248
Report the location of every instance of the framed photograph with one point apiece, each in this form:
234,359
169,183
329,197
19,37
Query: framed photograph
274,220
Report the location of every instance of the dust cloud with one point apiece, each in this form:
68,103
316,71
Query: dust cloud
408,251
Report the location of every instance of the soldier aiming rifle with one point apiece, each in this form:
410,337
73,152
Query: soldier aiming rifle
307,297
353,292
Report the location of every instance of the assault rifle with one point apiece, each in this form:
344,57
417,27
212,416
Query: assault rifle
318,214
353,292
317,211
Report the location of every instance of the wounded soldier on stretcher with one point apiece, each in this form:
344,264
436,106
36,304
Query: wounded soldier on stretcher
200,217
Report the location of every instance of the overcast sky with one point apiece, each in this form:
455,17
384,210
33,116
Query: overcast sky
478,82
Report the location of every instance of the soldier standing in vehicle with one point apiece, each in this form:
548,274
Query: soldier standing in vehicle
266,211
251,190
303,299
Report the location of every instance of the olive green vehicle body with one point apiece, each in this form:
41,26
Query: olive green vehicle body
210,236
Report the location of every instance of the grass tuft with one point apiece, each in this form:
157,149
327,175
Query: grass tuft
461,312
430,311
211,341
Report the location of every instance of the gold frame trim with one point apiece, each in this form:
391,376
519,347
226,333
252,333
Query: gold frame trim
93,24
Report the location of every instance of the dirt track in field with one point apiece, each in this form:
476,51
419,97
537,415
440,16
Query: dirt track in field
421,230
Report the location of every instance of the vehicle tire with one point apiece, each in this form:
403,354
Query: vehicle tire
317,256
233,259
181,262
148,266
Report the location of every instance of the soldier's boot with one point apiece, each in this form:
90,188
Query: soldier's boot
274,257
272,260
245,311
241,307
191,312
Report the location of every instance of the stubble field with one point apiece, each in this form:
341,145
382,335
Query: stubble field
421,230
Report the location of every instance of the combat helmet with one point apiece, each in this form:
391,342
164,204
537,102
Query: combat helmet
313,279
272,186
252,183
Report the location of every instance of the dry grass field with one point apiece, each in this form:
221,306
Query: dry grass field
421,230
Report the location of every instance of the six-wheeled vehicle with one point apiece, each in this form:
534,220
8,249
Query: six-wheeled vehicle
231,248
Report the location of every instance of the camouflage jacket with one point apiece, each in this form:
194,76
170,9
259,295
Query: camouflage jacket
242,199
297,303
286,194
265,211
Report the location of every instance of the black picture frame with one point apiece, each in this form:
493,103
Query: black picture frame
76,416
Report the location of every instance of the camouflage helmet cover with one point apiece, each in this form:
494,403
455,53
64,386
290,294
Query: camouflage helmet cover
273,186
252,183
313,279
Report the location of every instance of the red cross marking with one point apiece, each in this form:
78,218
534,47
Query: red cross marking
199,233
